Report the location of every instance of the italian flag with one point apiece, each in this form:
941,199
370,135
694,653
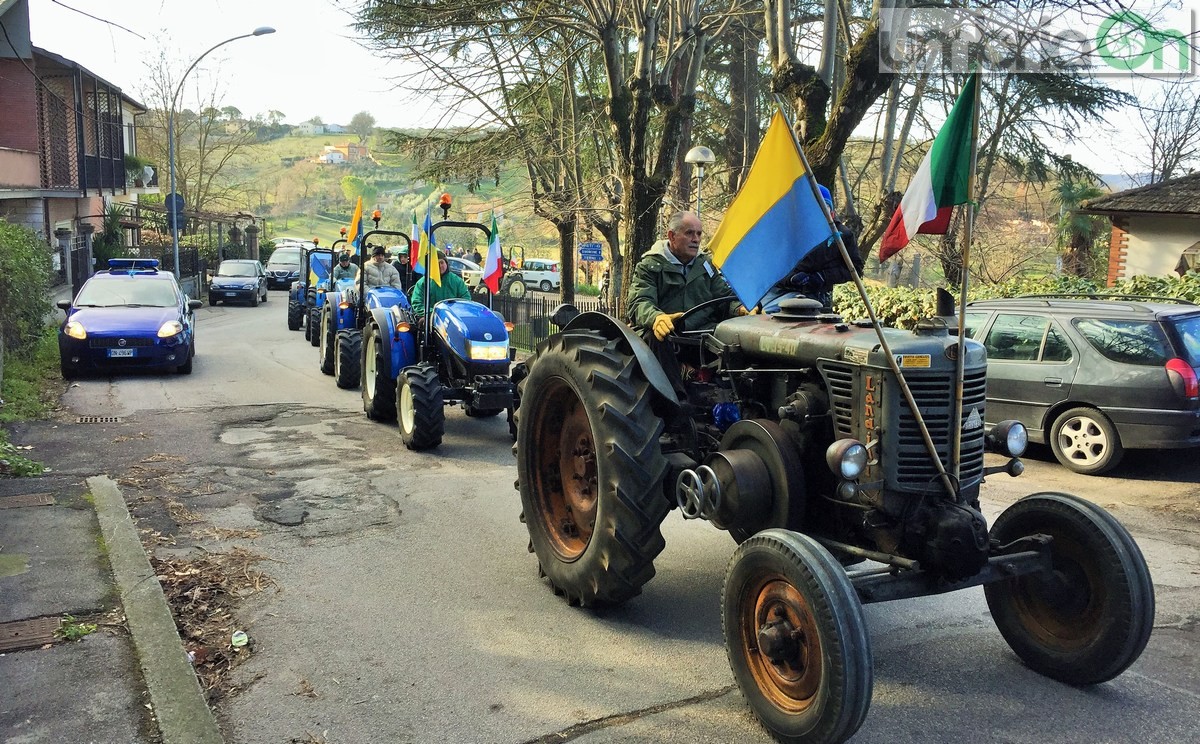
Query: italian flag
414,244
942,181
493,265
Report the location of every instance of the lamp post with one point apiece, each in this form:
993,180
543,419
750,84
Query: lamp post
260,31
699,156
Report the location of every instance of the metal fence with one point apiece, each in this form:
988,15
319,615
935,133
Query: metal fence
531,315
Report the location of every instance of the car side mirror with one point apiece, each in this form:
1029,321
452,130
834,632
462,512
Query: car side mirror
63,304
195,304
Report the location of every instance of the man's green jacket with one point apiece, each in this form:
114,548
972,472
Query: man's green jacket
659,286
452,287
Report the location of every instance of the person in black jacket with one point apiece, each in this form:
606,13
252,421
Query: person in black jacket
818,272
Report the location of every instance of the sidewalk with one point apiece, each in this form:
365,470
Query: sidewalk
70,549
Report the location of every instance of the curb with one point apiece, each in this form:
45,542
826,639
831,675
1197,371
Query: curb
179,706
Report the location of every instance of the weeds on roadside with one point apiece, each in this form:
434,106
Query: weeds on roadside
72,630
29,391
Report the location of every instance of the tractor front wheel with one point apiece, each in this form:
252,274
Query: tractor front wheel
378,387
590,469
420,407
796,638
295,315
328,341
313,330
1088,618
348,358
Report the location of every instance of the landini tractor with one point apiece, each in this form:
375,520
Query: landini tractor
316,268
817,444
462,357
344,316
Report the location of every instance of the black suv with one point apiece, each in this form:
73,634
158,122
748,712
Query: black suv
1093,377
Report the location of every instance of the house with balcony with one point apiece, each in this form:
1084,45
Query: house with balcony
64,136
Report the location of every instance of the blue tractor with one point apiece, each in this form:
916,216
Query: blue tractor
343,317
462,356
303,294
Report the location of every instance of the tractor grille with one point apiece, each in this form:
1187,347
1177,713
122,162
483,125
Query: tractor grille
934,395
906,460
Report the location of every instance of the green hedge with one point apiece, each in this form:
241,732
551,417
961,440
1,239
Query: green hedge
901,307
24,286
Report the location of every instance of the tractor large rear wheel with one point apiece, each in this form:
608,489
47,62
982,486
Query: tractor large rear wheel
349,356
590,469
328,340
797,638
378,387
420,407
1086,620
295,315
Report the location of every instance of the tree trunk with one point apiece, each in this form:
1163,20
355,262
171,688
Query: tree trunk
566,239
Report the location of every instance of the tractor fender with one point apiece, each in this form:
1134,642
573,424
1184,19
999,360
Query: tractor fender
613,329
400,348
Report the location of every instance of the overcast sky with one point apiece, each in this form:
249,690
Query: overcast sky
312,65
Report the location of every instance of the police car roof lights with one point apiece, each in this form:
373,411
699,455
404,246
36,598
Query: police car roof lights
133,265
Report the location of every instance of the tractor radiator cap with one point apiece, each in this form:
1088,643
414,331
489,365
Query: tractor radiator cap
798,309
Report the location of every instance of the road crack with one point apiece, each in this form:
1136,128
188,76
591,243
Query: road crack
619,719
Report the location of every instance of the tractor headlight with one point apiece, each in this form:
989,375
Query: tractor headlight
170,328
487,351
75,329
847,458
1009,438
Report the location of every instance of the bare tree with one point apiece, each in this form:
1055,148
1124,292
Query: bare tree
1171,132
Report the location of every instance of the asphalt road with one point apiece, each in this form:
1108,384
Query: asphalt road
408,609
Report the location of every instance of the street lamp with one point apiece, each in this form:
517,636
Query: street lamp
699,156
260,31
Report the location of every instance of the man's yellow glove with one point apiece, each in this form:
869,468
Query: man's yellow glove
664,324
741,310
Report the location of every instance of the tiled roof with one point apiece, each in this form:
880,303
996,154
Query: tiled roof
1176,196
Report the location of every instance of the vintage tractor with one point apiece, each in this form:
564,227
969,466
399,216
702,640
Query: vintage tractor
305,292
817,444
344,316
463,357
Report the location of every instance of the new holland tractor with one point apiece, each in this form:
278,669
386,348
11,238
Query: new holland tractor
305,293
344,315
462,357
817,444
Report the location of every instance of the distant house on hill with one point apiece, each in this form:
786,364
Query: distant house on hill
1155,229
334,129
347,153
308,128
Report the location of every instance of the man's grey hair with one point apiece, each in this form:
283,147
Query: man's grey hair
676,220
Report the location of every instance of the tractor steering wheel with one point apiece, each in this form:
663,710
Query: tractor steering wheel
693,310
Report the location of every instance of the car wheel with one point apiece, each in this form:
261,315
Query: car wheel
254,300
265,293
69,371
212,301
186,367
545,286
1085,441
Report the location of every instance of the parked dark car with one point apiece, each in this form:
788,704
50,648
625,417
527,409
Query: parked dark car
131,316
238,280
1092,377
283,267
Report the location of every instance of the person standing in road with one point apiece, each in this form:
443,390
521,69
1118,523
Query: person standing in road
452,287
344,269
380,273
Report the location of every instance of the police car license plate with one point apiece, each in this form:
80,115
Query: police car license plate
120,352
231,294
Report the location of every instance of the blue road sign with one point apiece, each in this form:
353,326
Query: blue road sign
590,252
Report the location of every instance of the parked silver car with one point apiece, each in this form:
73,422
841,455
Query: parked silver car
1092,377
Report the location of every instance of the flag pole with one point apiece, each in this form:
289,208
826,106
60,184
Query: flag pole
930,447
968,230
425,322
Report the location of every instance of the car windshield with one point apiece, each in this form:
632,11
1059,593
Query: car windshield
236,269
1126,341
127,291
1189,335
285,256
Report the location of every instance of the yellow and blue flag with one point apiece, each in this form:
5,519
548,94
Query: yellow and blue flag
356,228
427,252
774,221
